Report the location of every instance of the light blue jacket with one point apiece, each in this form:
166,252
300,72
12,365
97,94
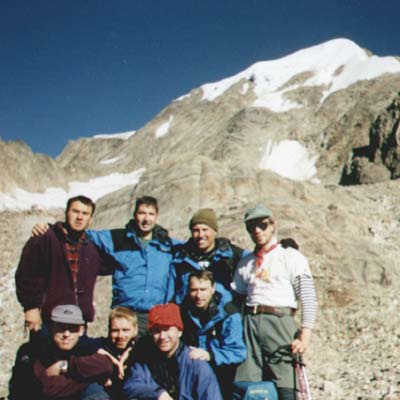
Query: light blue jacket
222,333
143,275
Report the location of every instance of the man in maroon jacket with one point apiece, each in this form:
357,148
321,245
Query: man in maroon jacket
60,366
61,267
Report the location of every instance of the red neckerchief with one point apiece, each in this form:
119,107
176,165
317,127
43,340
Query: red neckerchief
260,253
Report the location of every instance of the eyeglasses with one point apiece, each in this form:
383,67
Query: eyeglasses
252,225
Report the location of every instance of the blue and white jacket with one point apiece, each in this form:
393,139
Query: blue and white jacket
143,275
221,262
218,330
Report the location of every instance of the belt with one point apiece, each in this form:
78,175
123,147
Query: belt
278,311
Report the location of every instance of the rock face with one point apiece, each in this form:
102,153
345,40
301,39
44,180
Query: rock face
380,159
221,146
21,168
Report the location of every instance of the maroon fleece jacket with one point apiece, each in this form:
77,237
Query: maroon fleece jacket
44,280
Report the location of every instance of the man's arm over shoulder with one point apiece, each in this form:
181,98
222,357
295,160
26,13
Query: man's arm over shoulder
101,239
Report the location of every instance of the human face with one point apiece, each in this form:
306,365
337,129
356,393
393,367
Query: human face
166,339
79,216
261,231
203,237
66,336
146,218
201,292
122,332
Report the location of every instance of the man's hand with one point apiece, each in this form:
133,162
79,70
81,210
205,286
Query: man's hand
33,321
124,356
165,396
118,363
300,345
199,354
54,369
40,229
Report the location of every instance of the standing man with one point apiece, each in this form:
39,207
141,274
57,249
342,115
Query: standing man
164,370
204,251
213,328
143,254
60,267
273,280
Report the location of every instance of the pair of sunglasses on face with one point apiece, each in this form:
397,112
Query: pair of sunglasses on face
252,225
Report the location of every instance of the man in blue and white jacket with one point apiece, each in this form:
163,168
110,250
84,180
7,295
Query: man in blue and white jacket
213,328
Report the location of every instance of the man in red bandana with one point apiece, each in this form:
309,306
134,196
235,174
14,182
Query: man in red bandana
273,279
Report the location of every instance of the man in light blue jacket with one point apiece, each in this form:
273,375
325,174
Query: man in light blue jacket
143,252
213,328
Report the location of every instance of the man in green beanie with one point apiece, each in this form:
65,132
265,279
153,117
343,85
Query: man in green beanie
205,251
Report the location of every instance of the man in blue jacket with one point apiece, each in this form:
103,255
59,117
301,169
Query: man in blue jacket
205,251
213,328
164,370
143,252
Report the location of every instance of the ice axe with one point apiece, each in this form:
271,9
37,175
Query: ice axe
304,388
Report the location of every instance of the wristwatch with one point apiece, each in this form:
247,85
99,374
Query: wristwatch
63,366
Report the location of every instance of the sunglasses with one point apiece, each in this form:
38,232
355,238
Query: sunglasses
59,327
251,226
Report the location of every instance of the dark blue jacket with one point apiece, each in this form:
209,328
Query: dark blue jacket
222,263
147,380
221,333
143,275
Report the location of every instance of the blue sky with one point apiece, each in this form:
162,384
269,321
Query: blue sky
82,67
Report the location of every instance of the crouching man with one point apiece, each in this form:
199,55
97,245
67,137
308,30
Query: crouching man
163,369
213,328
118,346
59,367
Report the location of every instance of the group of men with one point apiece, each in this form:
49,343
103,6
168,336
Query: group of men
178,308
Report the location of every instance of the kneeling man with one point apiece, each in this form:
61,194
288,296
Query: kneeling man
164,370
213,328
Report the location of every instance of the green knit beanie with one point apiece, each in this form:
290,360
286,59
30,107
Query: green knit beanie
205,216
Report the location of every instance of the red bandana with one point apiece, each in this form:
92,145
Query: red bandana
261,252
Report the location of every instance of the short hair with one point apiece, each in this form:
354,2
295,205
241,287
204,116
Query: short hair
203,275
147,200
123,312
83,199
